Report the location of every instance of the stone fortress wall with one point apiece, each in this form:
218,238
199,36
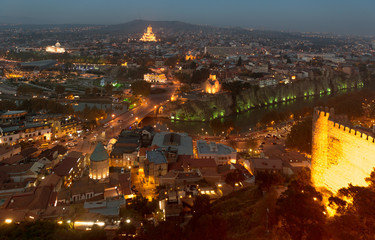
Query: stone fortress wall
340,154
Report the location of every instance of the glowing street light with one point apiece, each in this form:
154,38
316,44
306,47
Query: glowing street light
113,115
8,220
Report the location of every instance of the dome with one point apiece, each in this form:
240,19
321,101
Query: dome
99,154
58,44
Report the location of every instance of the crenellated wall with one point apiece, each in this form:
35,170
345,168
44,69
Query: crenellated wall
340,155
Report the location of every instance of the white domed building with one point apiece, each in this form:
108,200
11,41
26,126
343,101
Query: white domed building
55,49
99,163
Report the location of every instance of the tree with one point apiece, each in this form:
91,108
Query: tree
166,230
300,210
127,229
141,88
199,76
239,63
59,89
266,180
300,136
193,65
108,89
355,211
185,88
171,62
234,177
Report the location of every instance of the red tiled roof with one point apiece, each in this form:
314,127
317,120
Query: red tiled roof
50,180
39,198
14,159
63,168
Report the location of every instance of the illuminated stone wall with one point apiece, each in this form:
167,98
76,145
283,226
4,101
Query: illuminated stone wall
99,170
340,155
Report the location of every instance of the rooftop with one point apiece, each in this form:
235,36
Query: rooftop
181,141
13,113
156,157
99,153
267,163
213,148
65,166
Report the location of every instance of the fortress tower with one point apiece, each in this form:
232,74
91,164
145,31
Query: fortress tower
340,154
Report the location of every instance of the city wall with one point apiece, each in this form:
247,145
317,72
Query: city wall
340,154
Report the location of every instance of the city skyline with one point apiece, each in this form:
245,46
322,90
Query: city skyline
339,17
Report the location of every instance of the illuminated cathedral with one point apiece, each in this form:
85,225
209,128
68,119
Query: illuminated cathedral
148,36
55,49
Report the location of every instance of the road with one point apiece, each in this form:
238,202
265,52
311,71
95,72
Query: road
123,121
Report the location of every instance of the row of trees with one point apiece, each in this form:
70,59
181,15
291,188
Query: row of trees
300,136
36,105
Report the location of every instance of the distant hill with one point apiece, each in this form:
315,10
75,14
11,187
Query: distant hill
138,26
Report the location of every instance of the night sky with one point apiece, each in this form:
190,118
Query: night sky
335,16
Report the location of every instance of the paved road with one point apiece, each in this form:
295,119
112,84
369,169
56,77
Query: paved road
123,121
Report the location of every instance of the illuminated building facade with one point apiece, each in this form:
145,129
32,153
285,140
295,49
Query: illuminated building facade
153,78
340,155
148,36
212,85
55,49
99,163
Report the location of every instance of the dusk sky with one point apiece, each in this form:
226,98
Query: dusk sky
336,16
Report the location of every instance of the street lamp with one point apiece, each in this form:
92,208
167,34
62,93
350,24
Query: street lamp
113,115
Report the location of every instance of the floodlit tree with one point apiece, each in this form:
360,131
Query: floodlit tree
355,211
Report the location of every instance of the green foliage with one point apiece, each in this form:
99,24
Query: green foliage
354,104
137,73
36,105
234,177
168,230
141,88
300,136
92,114
142,206
266,180
183,77
301,211
171,62
199,76
354,219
